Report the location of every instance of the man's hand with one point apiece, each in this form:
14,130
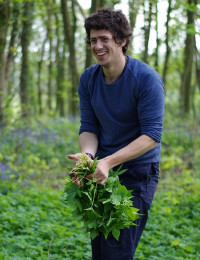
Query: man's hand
77,158
101,172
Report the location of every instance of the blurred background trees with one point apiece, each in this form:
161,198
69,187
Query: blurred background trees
43,52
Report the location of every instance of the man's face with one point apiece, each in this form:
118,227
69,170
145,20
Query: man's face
104,47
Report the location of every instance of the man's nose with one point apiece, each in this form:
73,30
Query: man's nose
99,44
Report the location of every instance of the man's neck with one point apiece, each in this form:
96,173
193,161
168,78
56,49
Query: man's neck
114,71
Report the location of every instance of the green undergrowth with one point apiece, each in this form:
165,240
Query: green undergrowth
172,231
36,224
35,151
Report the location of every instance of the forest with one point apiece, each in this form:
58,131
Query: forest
43,52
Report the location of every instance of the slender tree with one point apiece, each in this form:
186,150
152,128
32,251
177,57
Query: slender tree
147,28
4,23
69,32
50,65
168,50
95,5
60,62
133,12
188,58
39,87
60,80
156,63
80,9
197,63
12,42
25,41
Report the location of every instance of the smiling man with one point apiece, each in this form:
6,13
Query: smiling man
122,109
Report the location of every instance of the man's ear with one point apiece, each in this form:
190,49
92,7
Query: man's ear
123,43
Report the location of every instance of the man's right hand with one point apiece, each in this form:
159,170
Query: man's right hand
77,158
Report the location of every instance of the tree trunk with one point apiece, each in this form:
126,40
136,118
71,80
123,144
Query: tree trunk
12,43
96,4
70,40
167,53
25,41
147,28
4,23
60,61
60,101
188,61
80,9
50,65
156,63
133,11
39,88
197,59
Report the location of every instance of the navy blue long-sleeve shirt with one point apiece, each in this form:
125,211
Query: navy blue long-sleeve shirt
121,111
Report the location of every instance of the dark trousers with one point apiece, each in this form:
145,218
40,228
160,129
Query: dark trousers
143,180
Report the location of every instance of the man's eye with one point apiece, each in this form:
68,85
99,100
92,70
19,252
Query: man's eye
105,39
92,41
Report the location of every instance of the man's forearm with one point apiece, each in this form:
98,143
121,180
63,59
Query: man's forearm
88,143
133,150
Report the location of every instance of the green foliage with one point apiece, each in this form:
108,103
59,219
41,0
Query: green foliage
173,228
36,223
180,145
36,151
102,208
33,226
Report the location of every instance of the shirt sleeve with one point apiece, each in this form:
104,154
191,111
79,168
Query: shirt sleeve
89,122
151,106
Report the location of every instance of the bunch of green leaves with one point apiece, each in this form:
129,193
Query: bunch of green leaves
104,208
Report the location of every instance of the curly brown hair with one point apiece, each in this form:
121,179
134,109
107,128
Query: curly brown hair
113,21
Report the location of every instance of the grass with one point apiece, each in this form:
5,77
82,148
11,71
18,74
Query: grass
36,224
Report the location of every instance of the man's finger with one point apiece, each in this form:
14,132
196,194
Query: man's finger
76,180
101,182
72,156
90,176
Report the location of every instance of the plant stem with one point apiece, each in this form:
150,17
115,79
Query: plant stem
94,195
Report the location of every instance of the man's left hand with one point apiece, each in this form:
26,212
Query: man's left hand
101,172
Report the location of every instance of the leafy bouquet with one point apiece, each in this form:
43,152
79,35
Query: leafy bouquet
102,208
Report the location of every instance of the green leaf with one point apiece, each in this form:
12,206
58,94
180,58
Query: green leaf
116,233
115,199
93,234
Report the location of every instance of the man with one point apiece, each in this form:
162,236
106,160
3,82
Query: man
122,109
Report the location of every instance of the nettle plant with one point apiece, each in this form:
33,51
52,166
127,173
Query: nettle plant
104,208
